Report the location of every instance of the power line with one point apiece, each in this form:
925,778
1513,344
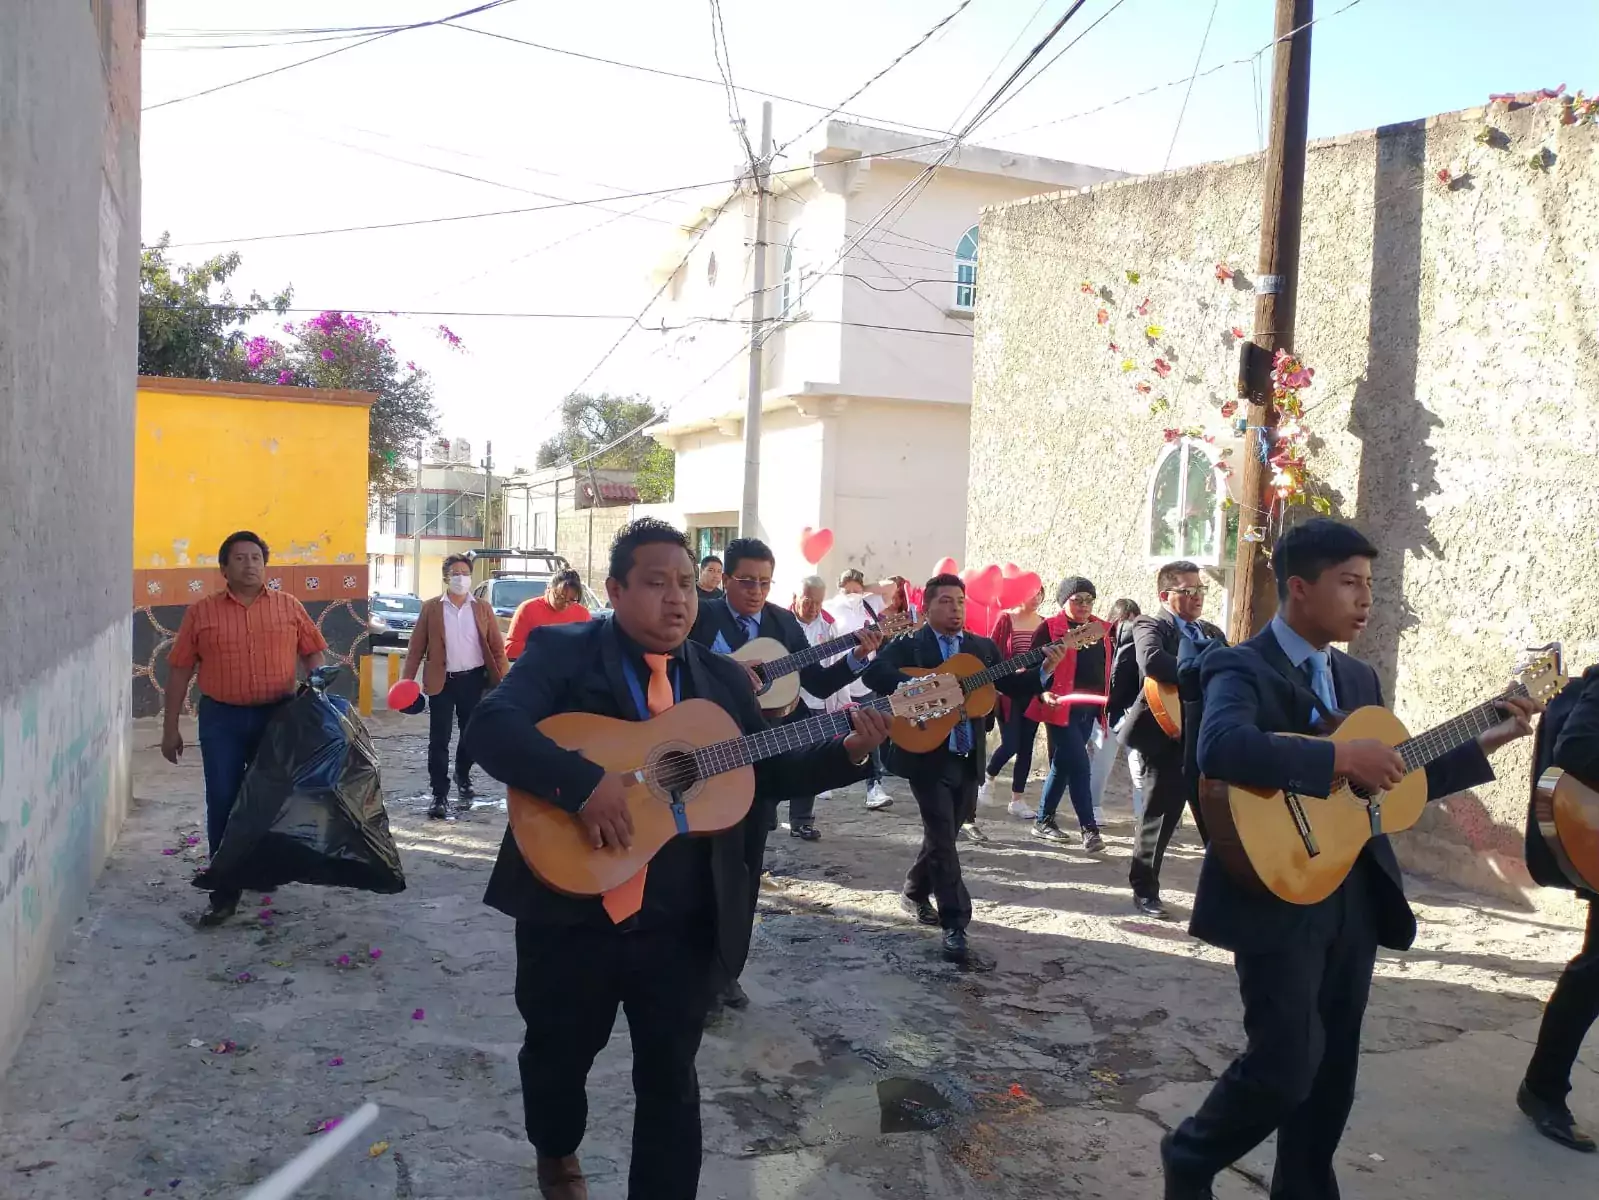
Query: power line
325,54
1198,58
899,58
993,71
612,62
1041,70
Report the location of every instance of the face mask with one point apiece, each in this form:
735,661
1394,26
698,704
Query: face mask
459,584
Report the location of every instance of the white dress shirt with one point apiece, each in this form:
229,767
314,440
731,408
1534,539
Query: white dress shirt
463,645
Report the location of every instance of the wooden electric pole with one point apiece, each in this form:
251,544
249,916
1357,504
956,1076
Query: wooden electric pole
1254,593
749,508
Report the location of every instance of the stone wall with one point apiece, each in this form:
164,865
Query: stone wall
69,269
1455,412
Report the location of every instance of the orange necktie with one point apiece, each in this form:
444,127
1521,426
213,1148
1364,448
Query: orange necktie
622,901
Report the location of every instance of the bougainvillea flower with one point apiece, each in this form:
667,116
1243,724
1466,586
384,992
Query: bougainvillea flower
330,1123
374,953
243,977
335,1062
344,960
169,850
1162,367
418,1015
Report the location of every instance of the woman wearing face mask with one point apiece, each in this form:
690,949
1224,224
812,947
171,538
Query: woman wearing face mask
458,639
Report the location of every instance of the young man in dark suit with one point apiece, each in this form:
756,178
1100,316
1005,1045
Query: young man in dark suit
1568,738
1304,971
655,945
1157,643
944,781
742,615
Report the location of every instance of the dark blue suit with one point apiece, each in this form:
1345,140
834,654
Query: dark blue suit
1304,971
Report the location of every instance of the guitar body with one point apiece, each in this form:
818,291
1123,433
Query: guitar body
918,737
1567,811
554,843
1165,706
780,696
1300,848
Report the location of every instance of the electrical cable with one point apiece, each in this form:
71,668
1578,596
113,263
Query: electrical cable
1198,58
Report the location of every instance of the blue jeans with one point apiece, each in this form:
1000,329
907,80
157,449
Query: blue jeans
230,734
1069,766
1017,736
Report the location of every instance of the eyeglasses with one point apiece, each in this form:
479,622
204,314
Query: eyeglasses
1080,598
750,584
1188,591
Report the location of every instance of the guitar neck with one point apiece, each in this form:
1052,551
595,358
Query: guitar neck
1019,662
779,739
1454,733
801,659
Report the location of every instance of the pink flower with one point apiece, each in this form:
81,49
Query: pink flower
335,1062
1229,408
266,899
265,914
410,366
1162,367
418,1015
330,1123
1173,435
192,840
328,355
169,850
450,336
374,953
1238,332
1144,389
243,977
1444,177
285,378
225,1047
344,960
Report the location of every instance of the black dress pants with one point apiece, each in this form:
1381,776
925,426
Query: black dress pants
569,982
945,787
452,706
1569,1015
1165,791
1303,1005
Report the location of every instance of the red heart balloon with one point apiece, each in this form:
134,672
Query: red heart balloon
814,545
1011,571
985,588
1019,589
945,566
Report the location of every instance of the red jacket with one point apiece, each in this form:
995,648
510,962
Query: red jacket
1003,635
1060,683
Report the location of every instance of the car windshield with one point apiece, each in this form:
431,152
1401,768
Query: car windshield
396,604
508,593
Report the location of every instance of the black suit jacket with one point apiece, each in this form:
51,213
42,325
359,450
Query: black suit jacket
1156,641
921,649
578,668
715,618
1252,695
1568,738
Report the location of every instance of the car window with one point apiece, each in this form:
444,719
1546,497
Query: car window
508,593
399,604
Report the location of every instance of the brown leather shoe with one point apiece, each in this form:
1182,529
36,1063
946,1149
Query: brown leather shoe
562,1179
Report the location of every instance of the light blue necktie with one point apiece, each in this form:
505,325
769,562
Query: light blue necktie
752,626
960,739
1321,681
1192,632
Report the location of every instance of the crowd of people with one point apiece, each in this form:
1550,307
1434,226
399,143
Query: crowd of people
669,944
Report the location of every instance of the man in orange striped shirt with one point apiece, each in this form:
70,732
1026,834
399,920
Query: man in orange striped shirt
247,641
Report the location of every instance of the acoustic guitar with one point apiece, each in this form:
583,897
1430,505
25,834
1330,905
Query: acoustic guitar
1300,848
1567,812
779,670
687,770
918,736
1166,706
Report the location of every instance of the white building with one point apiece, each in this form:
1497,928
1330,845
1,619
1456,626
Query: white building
868,362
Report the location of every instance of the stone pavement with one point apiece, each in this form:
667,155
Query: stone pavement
166,1060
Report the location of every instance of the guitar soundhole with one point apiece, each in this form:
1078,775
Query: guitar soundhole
1361,792
674,771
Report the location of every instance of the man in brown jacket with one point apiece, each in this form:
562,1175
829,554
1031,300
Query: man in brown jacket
460,641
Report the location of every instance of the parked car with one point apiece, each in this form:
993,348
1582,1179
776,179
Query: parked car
505,593
391,617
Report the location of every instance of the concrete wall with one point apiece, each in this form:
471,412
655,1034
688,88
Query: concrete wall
1455,407
288,463
69,263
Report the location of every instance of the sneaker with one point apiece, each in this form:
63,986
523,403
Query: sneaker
877,797
1020,808
805,832
1092,842
1048,831
973,832
985,794
441,809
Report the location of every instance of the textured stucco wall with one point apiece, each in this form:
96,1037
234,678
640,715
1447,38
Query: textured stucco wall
1455,410
69,263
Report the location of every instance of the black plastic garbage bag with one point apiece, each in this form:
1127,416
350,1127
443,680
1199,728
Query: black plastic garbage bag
311,808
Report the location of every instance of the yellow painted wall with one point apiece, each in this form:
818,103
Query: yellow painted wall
288,463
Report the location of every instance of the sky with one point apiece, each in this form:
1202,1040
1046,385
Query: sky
441,121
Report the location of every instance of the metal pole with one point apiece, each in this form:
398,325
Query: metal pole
488,491
416,527
1253,591
749,513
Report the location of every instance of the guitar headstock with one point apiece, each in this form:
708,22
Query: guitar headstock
892,624
1083,635
1540,672
927,697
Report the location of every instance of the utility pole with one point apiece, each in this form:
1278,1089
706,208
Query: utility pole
488,491
1277,271
416,527
749,512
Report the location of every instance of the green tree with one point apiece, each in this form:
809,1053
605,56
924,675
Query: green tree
184,330
613,425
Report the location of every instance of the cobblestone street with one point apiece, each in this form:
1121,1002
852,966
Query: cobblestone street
165,1060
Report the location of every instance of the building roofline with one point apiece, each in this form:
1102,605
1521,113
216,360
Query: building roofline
255,391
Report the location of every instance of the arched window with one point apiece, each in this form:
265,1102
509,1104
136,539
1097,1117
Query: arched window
966,271
793,276
1188,512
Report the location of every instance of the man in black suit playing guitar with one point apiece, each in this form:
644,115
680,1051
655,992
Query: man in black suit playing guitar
1304,971
1568,738
1157,642
743,615
655,949
944,781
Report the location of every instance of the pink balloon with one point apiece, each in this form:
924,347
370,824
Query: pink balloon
404,694
945,566
1011,571
1019,589
985,588
814,545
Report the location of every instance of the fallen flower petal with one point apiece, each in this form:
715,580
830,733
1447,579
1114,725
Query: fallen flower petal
335,1062
344,960
1102,317
1238,332
243,977
266,901
330,1123
265,914
169,850
374,953
1223,272
225,1047
1017,1091
1444,177
376,1148
1162,367
418,1015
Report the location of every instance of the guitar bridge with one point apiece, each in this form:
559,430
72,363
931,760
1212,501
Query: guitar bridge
1307,835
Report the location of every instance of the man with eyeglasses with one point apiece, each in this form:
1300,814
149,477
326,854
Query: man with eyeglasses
741,616
1157,642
